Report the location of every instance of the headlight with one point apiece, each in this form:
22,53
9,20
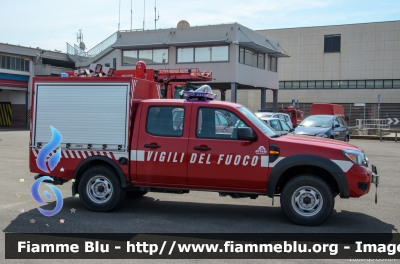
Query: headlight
321,135
357,157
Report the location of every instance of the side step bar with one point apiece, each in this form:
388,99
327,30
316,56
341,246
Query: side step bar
55,181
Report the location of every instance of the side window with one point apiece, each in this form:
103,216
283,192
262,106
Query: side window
212,124
217,123
165,121
276,125
341,122
287,118
285,127
223,120
335,122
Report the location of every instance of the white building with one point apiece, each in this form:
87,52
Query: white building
344,64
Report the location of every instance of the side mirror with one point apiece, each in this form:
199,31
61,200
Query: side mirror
246,133
337,125
291,130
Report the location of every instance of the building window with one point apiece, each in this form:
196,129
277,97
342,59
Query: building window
14,63
360,84
335,84
273,63
354,84
327,84
369,84
344,84
251,57
332,43
387,84
149,56
203,54
378,83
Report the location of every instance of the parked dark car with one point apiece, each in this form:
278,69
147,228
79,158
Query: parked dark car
326,126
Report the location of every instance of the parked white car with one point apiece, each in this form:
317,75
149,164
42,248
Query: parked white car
284,117
278,125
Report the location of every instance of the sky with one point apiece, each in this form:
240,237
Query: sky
49,24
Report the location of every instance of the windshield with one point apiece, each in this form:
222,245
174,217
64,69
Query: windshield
317,121
257,122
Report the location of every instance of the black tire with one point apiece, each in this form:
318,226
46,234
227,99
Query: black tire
307,200
100,189
136,194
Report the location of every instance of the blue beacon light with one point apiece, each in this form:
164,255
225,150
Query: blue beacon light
204,92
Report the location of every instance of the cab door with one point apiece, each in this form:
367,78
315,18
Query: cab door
161,151
219,160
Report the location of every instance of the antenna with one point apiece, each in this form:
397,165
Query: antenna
131,15
144,12
155,13
119,15
79,39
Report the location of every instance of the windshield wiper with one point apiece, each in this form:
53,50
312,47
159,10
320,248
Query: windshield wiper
275,136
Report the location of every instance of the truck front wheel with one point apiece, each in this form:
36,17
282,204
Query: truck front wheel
100,189
307,200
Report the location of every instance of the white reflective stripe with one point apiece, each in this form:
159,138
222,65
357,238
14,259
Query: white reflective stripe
276,161
133,155
83,154
65,153
89,154
137,155
34,152
108,155
345,165
264,161
140,155
77,154
70,152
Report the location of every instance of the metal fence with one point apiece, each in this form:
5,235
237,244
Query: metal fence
76,54
372,123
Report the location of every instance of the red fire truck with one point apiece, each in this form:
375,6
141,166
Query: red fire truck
117,136
296,116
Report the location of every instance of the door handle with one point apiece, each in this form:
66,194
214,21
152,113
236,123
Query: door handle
201,148
152,146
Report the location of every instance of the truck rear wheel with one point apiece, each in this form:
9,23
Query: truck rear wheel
307,200
100,189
